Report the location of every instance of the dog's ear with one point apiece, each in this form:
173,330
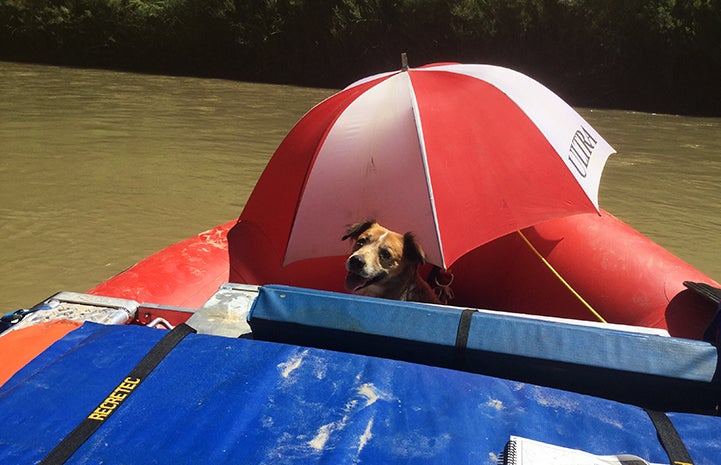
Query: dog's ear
412,250
357,229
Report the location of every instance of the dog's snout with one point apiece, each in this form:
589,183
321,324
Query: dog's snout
356,263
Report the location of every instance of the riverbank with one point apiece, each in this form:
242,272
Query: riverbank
662,56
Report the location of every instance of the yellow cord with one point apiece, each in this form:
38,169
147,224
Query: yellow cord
565,283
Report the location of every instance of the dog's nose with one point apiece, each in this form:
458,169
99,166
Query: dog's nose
356,263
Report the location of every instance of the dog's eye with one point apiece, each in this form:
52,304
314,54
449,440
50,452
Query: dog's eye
385,254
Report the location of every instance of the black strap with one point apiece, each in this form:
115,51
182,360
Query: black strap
670,440
11,319
464,327
77,437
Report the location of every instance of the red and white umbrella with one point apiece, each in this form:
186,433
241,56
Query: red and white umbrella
457,154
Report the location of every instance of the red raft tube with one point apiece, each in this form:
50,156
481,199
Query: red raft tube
184,275
588,267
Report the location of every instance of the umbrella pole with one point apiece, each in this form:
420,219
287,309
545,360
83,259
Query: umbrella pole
560,278
404,62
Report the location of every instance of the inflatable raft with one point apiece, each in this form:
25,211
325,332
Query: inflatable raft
411,383
625,277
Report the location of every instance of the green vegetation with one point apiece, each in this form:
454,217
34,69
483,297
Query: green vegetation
656,55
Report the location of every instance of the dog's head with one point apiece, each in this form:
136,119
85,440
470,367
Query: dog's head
381,258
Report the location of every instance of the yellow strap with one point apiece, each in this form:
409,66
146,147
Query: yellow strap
560,278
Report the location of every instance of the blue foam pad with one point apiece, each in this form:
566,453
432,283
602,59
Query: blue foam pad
646,369
228,401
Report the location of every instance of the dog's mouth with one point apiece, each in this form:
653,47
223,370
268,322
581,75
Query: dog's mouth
355,282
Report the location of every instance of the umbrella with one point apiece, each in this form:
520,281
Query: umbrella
458,154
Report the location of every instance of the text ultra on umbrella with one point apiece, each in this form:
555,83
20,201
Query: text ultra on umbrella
457,154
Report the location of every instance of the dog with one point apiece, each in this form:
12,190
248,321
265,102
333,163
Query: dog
385,264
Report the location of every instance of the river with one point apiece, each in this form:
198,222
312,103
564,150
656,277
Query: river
99,169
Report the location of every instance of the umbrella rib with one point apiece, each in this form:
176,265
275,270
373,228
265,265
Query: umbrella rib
424,157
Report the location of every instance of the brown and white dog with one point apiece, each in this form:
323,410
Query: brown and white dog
385,264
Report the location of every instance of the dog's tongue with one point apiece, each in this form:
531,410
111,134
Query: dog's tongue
353,282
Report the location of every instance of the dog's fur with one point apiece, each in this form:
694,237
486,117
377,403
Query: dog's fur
385,264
